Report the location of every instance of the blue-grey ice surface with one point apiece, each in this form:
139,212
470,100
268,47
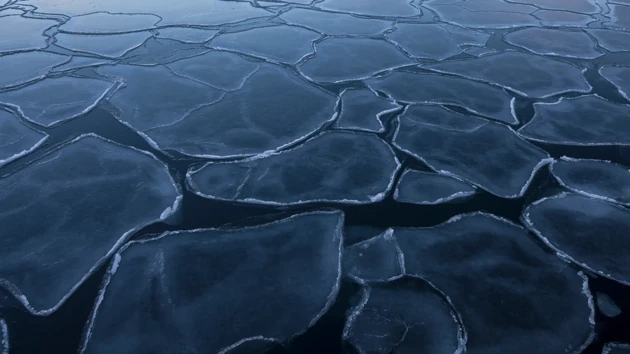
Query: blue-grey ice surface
554,42
428,188
393,8
21,68
489,155
594,178
187,34
65,214
570,121
606,305
377,259
592,233
513,296
25,33
335,24
16,138
312,172
620,16
614,41
214,290
361,109
616,348
4,337
108,46
109,23
618,76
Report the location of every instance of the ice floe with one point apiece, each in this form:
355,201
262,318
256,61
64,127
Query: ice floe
619,15
361,109
336,24
419,187
556,42
16,138
618,76
376,259
109,23
25,33
21,68
187,34
394,8
485,18
614,41
109,46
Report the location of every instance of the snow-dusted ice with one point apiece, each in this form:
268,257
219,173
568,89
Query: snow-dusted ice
592,233
361,109
513,296
594,178
428,188
374,260
16,138
486,154
314,171
404,317
64,214
214,290
554,42
618,76
616,348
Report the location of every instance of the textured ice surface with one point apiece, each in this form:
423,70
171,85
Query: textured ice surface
419,187
16,138
402,317
375,259
336,24
476,97
181,114
4,337
63,215
25,33
594,178
592,233
361,110
187,34
54,100
614,41
486,154
618,76
606,305
110,46
80,62
209,290
315,171
620,16
283,44
547,41
369,56
616,348
21,68
529,74
393,8
103,22
586,120
484,18
434,41
513,296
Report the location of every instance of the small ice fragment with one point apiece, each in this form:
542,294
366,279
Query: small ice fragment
606,305
375,259
109,23
361,109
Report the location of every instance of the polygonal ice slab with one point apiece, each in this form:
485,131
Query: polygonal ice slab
16,138
64,215
109,46
618,76
394,8
337,167
374,260
484,18
614,41
587,121
486,154
331,61
109,23
594,178
180,291
476,97
187,34
20,68
361,109
590,232
283,44
404,316
336,24
175,113
557,42
26,33
616,348
513,296
4,337
528,74
54,100
434,41
426,188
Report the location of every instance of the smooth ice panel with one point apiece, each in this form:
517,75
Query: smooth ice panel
483,18
103,22
606,305
335,167
63,215
361,109
214,290
488,155
614,41
620,16
25,33
513,296
16,138
109,46
21,68
618,76
581,6
394,8
426,188
555,42
375,259
187,34
80,62
592,233
335,24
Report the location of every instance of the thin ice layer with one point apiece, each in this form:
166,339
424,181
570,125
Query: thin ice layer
394,8
614,41
486,154
187,34
77,62
618,76
54,100
65,214
426,188
25,33
109,23
556,42
586,120
361,109
4,337
528,74
16,138
592,233
404,316
283,44
594,178
616,348
21,68
336,24
606,305
484,18
476,97
513,296
109,46
375,259
214,290
180,114
337,167
369,56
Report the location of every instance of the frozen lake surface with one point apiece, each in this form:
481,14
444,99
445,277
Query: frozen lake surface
315,176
